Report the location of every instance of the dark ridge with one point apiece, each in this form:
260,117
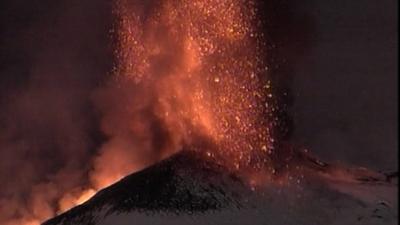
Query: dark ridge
183,183
391,175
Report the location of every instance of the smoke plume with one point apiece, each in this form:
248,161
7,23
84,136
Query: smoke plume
187,74
48,131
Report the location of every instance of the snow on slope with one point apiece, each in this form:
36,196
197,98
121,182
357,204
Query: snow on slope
185,189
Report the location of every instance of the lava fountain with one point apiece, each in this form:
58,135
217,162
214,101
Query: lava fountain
189,74
196,71
193,74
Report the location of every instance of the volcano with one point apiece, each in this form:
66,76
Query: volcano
189,189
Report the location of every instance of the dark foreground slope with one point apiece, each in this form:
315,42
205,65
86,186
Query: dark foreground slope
186,189
184,183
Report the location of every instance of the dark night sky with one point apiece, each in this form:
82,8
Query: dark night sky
344,83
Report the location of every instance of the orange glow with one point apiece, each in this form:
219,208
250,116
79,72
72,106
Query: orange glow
189,73
70,200
86,195
204,61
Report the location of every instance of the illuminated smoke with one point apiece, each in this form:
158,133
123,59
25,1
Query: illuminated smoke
189,74
46,118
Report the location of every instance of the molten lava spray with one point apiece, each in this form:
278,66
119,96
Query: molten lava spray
189,74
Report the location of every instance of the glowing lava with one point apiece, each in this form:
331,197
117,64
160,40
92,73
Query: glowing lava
190,74
201,66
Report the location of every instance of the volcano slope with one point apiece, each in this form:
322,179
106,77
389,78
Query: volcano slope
188,189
